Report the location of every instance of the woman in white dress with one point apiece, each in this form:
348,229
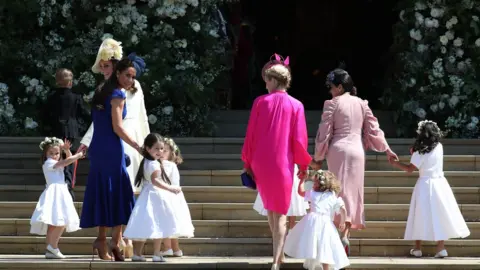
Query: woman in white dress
298,206
161,210
315,237
434,214
136,121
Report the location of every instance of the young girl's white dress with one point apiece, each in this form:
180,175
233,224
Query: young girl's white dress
434,214
55,206
159,213
298,206
315,238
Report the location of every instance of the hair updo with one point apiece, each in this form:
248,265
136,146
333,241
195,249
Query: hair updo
428,137
341,77
278,70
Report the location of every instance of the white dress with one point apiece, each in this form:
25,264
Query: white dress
159,213
315,237
55,206
298,206
434,214
136,125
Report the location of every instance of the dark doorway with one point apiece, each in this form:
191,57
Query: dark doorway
318,36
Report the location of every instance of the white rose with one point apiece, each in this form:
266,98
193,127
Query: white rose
152,119
461,66
421,113
471,126
195,26
444,40
453,101
109,20
419,17
477,42
420,6
34,82
441,105
134,39
475,18
436,12
30,123
434,107
401,15
443,50
474,120
454,20
458,42
459,53
167,110
450,35
131,2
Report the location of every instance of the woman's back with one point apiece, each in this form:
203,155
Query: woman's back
348,116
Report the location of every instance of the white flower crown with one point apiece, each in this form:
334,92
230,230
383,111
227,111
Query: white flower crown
320,174
421,125
50,141
172,144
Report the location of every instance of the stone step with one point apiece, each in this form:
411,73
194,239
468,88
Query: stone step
238,229
16,176
238,246
233,161
83,262
240,194
199,145
244,211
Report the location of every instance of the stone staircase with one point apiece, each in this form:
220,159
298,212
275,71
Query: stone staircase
229,234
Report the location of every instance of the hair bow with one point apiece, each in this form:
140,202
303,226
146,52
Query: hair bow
138,63
280,59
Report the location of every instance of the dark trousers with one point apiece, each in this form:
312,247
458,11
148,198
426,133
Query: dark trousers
68,171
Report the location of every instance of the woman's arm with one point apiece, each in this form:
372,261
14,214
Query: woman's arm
65,162
117,110
409,168
301,188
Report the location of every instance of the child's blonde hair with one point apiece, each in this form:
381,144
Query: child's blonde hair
279,70
175,155
327,181
47,143
63,77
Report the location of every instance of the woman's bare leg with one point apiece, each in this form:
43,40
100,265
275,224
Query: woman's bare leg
279,233
291,222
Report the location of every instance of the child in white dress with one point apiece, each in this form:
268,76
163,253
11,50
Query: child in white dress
298,206
434,214
55,210
315,237
171,152
161,210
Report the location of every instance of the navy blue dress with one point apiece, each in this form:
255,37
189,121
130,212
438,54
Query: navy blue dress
109,197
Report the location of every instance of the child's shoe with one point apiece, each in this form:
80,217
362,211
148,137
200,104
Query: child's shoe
441,254
136,258
158,258
53,253
415,253
178,253
167,253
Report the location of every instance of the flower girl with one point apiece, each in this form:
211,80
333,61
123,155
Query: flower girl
298,206
55,210
434,214
315,237
161,210
171,152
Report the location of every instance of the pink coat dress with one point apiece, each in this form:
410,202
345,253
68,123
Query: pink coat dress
276,140
348,128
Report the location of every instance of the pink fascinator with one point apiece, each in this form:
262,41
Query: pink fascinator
276,59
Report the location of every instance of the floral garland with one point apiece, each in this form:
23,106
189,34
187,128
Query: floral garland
50,141
318,174
172,145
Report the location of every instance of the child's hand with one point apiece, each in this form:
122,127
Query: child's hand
342,227
67,145
175,190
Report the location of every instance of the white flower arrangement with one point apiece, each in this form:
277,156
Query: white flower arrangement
50,141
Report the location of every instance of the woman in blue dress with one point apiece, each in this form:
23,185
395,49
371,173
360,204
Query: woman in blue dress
109,198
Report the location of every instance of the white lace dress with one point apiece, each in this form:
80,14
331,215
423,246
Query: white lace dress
55,206
434,214
159,213
298,206
315,237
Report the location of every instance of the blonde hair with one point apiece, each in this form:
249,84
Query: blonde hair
280,73
63,77
327,181
175,156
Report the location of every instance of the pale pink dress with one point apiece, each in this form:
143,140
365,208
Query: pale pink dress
276,140
348,128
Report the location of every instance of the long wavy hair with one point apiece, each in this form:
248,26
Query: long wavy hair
428,137
149,142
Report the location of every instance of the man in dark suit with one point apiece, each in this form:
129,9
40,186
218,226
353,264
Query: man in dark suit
62,111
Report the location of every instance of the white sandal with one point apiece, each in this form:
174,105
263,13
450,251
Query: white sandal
416,253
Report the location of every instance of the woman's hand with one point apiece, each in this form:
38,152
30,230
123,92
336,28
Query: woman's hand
302,174
82,148
248,171
391,155
316,165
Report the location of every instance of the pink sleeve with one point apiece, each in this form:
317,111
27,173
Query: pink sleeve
301,157
373,136
248,143
325,129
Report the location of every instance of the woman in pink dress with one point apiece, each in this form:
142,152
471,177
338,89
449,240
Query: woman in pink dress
276,139
348,128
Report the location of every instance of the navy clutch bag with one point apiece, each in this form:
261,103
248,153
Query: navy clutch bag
127,160
247,181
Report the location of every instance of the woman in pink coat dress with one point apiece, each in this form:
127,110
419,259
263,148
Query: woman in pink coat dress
276,139
348,128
